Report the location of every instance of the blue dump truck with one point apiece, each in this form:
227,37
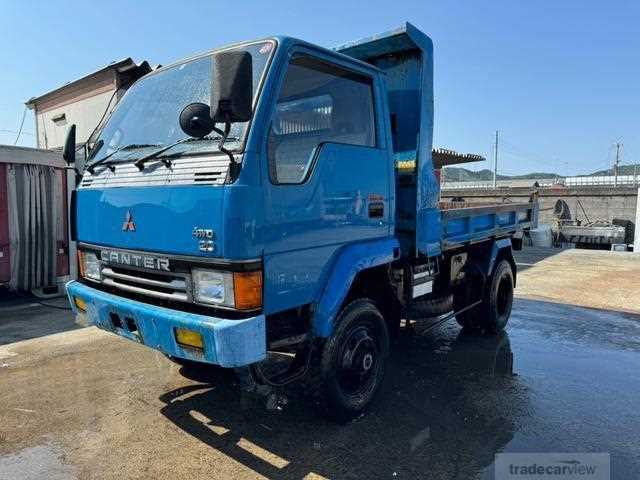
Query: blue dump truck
276,196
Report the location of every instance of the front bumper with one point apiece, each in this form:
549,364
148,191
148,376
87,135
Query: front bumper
228,343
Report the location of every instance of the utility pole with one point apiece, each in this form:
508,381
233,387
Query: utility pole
495,163
615,171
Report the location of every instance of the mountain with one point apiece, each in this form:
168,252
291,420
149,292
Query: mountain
459,174
622,170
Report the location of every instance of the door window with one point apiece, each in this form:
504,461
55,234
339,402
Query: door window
319,102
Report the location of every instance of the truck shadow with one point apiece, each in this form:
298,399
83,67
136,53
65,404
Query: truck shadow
450,402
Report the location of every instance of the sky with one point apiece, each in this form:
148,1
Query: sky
560,80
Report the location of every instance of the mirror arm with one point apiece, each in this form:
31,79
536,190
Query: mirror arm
223,138
234,166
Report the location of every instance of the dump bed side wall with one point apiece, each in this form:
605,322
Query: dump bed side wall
461,226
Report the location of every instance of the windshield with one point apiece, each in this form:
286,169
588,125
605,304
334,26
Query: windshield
147,117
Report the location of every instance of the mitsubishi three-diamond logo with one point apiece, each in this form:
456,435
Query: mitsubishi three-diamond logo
128,225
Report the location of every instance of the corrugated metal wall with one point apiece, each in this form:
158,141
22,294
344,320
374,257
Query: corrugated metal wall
5,266
34,206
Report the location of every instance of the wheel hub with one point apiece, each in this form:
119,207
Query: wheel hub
367,361
358,360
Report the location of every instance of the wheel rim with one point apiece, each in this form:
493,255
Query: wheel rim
505,293
359,361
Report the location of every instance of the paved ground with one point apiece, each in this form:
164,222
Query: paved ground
590,278
85,404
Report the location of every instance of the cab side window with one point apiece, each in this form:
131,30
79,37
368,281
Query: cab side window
319,102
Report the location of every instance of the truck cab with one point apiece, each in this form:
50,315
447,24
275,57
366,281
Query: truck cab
278,196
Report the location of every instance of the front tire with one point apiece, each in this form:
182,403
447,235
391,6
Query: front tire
353,361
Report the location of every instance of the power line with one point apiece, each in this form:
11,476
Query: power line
104,114
522,153
24,114
509,152
2,130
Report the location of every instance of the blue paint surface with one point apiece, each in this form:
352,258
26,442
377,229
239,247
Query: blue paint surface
313,238
351,260
406,57
496,248
308,223
164,217
477,226
228,343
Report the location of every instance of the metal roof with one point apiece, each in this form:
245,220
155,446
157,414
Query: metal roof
120,66
443,157
31,156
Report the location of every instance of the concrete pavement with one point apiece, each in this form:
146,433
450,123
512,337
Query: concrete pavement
82,403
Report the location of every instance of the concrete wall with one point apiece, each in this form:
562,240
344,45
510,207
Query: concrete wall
599,203
85,114
82,104
569,182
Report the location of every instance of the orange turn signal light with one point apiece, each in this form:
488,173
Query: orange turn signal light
247,288
80,303
189,338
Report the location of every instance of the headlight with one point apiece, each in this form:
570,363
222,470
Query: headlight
213,287
89,265
239,290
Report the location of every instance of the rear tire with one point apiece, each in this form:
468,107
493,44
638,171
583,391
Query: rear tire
353,361
493,313
499,299
469,320
432,307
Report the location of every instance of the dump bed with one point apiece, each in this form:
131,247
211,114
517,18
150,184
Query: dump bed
464,223
423,225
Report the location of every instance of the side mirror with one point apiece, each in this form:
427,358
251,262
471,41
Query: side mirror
231,87
69,150
195,120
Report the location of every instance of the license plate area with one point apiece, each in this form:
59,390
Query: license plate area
125,324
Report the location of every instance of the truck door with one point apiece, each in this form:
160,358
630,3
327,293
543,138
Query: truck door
328,179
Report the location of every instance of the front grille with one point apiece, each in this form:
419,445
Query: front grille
205,170
167,286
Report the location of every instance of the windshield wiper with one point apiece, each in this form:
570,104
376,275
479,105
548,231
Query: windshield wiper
104,160
167,162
